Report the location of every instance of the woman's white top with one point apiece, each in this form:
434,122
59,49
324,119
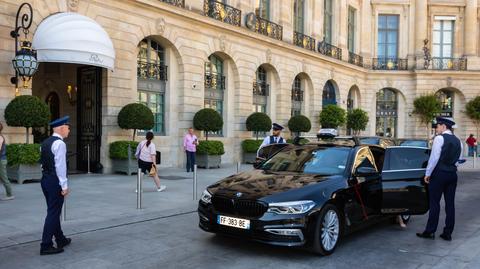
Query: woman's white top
145,153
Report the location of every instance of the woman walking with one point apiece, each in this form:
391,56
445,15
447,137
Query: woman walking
146,153
3,167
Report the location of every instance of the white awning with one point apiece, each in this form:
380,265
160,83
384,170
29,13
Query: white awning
73,38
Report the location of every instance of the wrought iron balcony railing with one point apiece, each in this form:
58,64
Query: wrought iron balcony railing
214,81
222,12
304,41
458,64
151,71
355,59
329,50
297,95
261,88
178,3
389,64
268,28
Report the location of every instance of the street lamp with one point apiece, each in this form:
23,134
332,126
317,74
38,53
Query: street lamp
25,62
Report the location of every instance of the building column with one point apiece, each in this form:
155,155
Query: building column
471,31
343,31
366,31
421,13
286,19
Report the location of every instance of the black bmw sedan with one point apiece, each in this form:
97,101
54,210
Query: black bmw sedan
312,195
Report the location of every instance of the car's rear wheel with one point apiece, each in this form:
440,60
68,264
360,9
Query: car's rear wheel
327,230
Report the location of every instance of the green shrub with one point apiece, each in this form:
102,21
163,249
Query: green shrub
258,122
119,149
299,123
250,145
27,111
426,107
357,120
207,120
23,154
135,116
210,148
332,116
473,112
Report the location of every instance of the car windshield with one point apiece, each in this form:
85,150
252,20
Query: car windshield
414,143
370,141
322,161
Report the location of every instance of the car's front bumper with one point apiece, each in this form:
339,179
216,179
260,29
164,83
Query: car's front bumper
283,230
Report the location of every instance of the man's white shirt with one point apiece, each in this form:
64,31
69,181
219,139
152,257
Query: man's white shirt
436,151
59,150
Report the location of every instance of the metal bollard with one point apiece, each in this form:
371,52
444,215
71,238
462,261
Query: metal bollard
88,159
64,209
475,159
194,182
139,188
238,167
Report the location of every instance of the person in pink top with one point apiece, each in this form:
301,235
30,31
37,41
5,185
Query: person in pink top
190,142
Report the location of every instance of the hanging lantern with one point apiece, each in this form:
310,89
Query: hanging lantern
25,62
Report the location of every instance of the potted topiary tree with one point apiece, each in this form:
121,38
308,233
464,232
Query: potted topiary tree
256,122
332,116
24,159
357,120
298,124
209,153
122,153
426,107
473,112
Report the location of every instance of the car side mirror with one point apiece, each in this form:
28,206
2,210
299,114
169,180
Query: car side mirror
259,162
365,171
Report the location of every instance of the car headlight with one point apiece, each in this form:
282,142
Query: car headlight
206,197
293,207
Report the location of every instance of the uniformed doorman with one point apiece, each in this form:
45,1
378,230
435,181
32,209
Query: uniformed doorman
54,185
441,177
275,138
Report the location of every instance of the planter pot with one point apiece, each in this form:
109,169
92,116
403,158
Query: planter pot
249,157
208,161
23,172
125,166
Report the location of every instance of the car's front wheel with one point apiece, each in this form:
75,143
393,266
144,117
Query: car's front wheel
327,230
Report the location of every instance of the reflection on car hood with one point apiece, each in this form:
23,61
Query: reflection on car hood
258,183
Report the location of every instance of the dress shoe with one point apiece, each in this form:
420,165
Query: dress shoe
64,243
426,235
446,237
50,251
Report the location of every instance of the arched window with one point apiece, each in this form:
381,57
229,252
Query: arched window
387,104
298,16
260,91
328,94
262,9
297,96
214,84
151,78
446,100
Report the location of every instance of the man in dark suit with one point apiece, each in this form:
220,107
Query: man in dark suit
441,177
54,185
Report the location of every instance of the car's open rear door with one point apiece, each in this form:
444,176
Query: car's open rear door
403,189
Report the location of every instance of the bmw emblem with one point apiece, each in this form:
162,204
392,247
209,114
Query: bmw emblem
239,194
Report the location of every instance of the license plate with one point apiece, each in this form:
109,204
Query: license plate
233,222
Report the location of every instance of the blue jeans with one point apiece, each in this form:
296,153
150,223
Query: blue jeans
471,150
190,160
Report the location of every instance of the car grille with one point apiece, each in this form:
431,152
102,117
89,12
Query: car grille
247,208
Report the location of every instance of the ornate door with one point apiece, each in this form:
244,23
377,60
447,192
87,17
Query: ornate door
89,117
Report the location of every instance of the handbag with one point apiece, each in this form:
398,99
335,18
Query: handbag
153,171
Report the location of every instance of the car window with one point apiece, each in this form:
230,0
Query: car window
364,158
414,143
407,158
378,155
386,143
269,150
369,140
323,161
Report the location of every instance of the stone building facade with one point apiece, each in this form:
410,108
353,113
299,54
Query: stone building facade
297,55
